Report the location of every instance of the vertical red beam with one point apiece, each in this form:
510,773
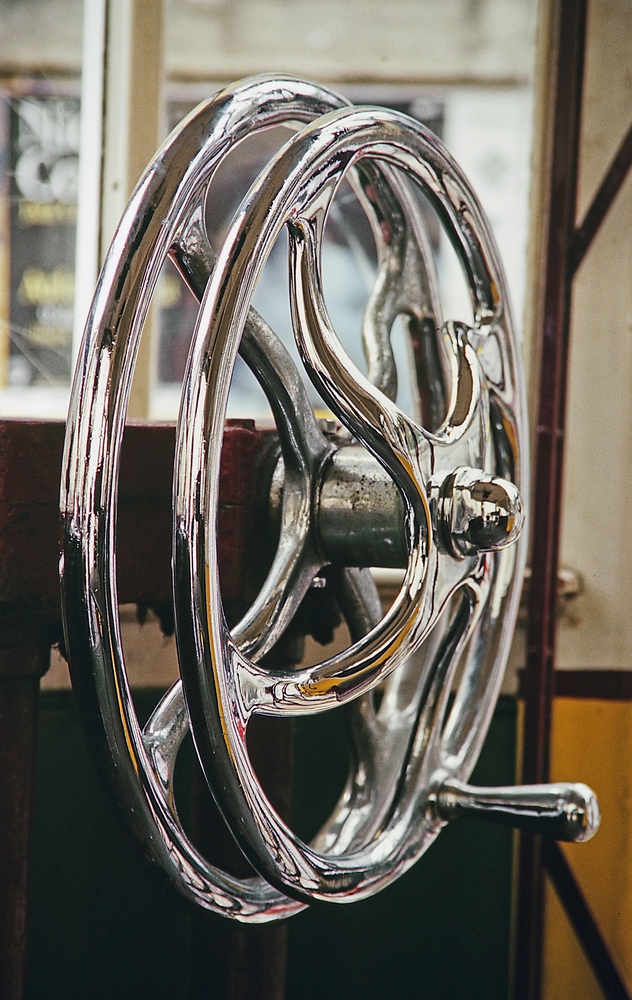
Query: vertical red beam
20,669
569,35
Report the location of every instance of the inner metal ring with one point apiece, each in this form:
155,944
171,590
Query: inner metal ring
223,686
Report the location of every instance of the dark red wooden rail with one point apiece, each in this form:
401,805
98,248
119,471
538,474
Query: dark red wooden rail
30,623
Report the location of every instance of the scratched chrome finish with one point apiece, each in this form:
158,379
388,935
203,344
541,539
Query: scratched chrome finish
359,853
165,215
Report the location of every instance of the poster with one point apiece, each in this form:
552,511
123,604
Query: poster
43,133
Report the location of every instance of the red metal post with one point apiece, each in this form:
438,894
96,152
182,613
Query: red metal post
565,247
570,32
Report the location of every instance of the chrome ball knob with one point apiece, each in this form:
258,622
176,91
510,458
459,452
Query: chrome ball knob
477,512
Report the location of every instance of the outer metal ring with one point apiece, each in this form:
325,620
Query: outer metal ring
164,216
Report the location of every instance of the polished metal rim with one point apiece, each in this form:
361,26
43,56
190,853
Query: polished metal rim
449,628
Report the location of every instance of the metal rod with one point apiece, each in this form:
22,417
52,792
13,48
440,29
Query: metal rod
564,811
584,924
608,191
605,684
569,26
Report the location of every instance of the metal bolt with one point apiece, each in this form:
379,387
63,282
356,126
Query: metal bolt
477,512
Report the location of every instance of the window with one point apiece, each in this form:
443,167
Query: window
463,68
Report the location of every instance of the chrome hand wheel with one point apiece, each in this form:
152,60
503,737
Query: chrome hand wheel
439,653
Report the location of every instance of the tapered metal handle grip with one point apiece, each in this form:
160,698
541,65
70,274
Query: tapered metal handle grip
565,811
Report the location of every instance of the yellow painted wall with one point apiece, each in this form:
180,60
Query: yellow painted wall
592,742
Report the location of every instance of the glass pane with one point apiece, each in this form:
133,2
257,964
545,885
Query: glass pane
433,62
40,51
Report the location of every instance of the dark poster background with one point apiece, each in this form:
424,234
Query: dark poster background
43,166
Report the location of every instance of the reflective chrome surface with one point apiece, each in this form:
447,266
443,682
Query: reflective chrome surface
460,484
564,811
